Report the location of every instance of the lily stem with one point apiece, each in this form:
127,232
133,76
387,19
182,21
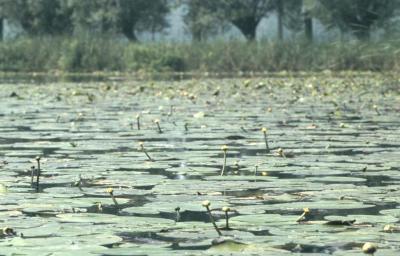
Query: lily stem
213,221
38,173
32,174
226,220
138,122
266,143
159,128
223,166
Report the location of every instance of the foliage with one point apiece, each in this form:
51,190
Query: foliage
357,16
51,17
39,17
88,54
200,21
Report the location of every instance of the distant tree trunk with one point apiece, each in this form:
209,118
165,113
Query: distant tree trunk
1,29
127,30
362,32
248,27
197,35
280,17
308,27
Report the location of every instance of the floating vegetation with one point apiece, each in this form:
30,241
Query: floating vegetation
348,176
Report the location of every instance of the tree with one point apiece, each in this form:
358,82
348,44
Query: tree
246,14
243,14
358,16
38,17
51,17
1,28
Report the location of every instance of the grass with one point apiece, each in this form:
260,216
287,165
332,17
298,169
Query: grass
87,54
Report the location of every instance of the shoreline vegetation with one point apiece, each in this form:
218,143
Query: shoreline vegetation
101,54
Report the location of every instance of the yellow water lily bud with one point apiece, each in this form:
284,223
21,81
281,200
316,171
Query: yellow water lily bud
109,190
224,148
226,209
264,130
369,248
206,203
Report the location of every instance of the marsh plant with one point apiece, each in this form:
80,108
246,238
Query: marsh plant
224,148
207,204
111,192
157,122
264,131
141,145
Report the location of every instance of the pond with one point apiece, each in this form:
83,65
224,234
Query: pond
306,165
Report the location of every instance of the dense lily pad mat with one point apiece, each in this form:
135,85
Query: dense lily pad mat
333,143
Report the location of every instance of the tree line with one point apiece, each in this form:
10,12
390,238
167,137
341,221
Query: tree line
203,18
